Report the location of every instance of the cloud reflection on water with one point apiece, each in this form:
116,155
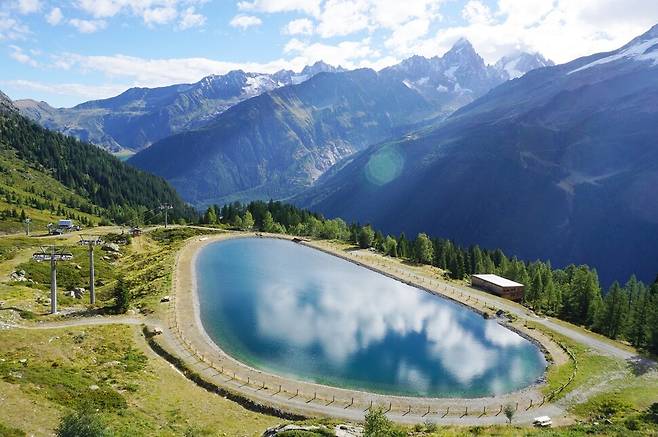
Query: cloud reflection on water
346,317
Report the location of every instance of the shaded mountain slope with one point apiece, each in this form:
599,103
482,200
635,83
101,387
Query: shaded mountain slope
559,164
276,144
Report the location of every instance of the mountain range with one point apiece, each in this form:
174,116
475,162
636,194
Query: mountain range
460,75
139,117
559,164
277,144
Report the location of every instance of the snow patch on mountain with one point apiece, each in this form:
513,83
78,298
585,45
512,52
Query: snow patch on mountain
642,51
516,65
259,84
510,68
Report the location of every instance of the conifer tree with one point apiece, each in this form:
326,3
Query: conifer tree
403,246
268,222
423,249
248,221
366,237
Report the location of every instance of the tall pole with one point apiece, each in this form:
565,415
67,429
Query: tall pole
53,284
53,256
91,242
27,226
166,208
92,285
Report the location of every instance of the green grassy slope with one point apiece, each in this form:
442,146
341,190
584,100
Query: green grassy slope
123,192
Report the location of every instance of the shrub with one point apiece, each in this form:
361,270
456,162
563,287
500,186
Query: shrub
652,413
83,423
378,425
431,426
608,408
122,296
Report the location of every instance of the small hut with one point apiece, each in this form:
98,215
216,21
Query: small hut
498,285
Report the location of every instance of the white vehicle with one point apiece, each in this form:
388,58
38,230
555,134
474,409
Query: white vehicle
543,422
65,224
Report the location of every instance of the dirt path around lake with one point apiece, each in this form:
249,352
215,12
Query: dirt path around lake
187,339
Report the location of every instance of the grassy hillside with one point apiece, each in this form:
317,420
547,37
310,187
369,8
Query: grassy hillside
122,193
25,191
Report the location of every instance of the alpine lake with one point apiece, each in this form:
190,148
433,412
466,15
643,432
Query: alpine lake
297,312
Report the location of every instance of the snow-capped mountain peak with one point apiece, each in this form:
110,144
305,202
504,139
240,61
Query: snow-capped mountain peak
462,50
320,67
518,64
460,75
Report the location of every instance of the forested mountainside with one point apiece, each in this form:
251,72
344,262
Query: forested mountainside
112,188
560,164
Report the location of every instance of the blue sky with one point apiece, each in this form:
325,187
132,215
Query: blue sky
69,51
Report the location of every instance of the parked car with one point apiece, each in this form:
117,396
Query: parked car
542,422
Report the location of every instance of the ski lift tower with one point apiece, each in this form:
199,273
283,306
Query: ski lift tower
91,241
53,255
166,207
27,222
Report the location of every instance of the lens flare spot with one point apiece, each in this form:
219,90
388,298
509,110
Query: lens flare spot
385,165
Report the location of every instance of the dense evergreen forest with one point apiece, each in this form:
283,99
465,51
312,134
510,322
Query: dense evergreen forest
127,195
624,312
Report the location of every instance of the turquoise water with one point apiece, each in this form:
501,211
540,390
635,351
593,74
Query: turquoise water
297,312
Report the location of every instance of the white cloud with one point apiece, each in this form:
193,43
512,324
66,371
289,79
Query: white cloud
19,55
392,13
476,12
54,17
101,8
161,15
152,12
561,30
82,91
402,39
161,72
301,26
10,28
311,7
87,26
189,19
349,54
245,21
344,17
28,6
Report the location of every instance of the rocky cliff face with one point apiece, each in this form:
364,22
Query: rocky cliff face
460,76
6,105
